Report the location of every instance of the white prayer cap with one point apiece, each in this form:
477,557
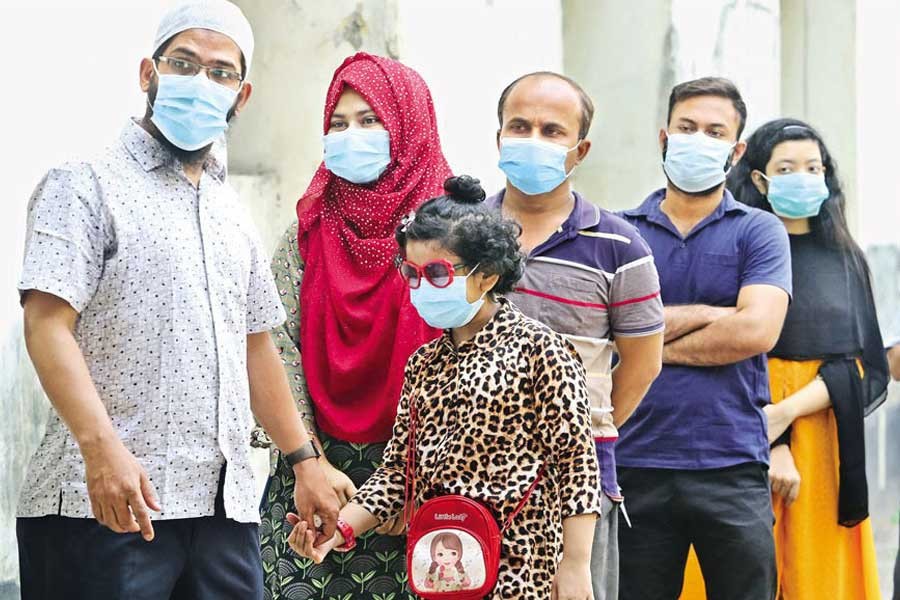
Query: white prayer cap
216,15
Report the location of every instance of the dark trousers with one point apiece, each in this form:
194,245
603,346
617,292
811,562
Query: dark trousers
725,513
207,558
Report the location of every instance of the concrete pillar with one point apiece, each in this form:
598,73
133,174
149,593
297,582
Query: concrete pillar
276,143
468,51
617,52
877,99
628,55
818,78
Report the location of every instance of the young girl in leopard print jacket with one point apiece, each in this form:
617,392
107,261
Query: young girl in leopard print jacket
497,397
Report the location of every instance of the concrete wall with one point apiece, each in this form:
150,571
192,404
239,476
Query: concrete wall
628,55
299,44
617,52
877,128
818,78
468,55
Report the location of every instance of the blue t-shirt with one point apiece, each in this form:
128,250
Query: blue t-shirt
707,417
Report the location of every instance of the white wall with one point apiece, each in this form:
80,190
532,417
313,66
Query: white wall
628,55
877,127
467,55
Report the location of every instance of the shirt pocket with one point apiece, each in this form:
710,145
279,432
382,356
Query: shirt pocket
718,278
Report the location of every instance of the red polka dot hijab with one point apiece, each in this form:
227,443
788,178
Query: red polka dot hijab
358,327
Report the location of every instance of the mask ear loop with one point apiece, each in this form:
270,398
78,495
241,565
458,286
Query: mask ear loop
569,174
156,71
472,272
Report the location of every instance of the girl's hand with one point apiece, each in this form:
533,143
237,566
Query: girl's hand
779,419
783,474
302,539
573,580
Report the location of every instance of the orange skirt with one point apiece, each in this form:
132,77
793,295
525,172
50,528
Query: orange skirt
817,558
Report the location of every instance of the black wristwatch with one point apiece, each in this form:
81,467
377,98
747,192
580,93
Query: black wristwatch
304,452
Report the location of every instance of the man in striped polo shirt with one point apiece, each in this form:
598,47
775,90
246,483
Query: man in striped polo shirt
588,275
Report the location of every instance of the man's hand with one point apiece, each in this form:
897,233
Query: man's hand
120,491
573,581
313,495
783,474
341,484
684,319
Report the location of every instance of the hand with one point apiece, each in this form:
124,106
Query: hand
573,580
302,540
395,526
341,484
783,474
120,492
314,496
779,418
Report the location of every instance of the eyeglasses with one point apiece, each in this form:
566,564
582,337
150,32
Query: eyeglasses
439,273
179,66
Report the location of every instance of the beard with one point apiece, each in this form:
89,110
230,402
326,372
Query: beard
190,157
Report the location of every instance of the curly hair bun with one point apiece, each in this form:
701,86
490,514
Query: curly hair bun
465,189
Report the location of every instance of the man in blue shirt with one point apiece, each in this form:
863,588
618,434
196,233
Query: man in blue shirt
693,457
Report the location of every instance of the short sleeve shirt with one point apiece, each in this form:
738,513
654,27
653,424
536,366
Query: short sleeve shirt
168,281
593,281
707,417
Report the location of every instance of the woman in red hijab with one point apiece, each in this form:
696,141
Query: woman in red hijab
351,327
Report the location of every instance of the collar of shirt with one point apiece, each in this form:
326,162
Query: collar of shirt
151,154
584,215
650,211
487,336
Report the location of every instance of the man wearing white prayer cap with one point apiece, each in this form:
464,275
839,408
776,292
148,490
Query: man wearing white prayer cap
148,303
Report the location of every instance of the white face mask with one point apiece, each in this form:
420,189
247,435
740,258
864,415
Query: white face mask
696,162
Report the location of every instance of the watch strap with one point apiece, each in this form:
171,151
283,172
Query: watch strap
304,452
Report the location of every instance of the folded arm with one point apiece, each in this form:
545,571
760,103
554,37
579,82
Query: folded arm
752,329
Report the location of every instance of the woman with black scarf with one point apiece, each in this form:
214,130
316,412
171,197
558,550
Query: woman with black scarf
827,372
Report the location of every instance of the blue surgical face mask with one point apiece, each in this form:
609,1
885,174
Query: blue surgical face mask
358,155
797,195
191,111
696,162
534,166
445,308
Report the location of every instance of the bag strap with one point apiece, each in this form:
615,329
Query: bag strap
409,508
410,487
524,500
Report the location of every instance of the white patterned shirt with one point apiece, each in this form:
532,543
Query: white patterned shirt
169,280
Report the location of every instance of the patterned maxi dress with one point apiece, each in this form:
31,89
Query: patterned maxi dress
376,569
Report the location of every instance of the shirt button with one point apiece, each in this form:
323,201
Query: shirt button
683,245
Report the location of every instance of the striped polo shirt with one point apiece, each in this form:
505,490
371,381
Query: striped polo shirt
593,280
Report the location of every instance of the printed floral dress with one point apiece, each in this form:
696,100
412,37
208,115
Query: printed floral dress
376,569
